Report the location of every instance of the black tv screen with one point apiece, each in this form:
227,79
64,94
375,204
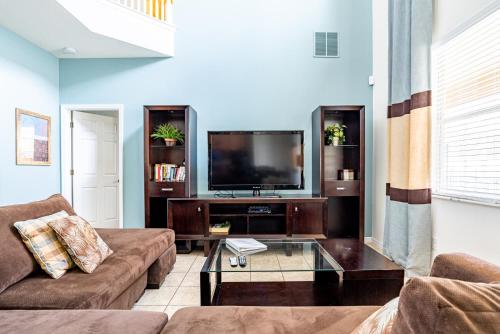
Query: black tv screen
249,160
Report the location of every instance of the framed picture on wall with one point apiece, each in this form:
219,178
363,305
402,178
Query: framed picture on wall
32,138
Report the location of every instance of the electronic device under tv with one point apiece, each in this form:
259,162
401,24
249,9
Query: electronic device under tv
255,160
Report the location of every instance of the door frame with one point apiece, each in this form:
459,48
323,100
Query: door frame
66,148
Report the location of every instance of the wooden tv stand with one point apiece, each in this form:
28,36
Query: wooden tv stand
292,216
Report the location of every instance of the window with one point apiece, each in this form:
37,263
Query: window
466,89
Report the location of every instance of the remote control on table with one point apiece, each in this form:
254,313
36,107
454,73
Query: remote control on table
242,260
233,262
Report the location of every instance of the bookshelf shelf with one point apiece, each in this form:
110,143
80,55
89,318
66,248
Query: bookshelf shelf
346,202
176,147
177,177
342,146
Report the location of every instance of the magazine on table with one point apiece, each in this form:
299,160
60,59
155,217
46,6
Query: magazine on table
245,246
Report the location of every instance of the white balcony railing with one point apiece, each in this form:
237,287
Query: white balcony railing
159,9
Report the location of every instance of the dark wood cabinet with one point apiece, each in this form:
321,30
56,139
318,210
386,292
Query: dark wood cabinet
346,198
156,152
308,218
289,216
188,218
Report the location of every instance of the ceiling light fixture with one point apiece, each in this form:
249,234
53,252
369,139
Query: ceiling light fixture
69,51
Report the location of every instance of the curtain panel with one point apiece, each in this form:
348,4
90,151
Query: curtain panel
408,227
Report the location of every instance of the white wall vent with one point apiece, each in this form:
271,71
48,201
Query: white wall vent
326,44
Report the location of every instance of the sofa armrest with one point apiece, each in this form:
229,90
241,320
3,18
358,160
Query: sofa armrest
464,267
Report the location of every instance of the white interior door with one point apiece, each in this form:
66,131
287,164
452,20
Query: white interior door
95,169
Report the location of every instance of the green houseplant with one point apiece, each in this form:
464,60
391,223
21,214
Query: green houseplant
335,134
169,133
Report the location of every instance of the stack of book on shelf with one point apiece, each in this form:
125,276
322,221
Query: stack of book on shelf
245,246
169,173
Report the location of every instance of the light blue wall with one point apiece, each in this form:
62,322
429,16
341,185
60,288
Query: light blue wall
242,65
29,79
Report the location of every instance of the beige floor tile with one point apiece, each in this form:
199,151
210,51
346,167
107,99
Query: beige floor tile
149,308
186,256
185,260
236,277
170,310
181,267
161,296
264,263
266,277
186,296
191,279
174,279
198,264
298,276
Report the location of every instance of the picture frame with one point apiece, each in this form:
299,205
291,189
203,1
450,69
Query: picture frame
33,138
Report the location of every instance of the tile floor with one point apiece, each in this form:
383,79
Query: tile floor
182,286
180,289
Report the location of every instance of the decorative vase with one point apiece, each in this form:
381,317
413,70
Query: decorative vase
170,142
335,141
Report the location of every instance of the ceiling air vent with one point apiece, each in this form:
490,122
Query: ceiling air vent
326,44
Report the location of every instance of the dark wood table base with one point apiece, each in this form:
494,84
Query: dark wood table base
368,279
273,294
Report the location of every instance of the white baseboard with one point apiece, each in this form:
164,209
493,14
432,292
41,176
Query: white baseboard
374,241
377,245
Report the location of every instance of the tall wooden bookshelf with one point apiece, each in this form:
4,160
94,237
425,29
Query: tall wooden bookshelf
346,198
156,152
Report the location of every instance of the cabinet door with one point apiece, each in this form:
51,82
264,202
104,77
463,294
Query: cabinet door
187,217
308,217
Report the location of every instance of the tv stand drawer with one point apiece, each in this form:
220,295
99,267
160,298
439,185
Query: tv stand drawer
342,188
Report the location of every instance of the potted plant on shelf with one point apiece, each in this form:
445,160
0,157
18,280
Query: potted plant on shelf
335,134
169,133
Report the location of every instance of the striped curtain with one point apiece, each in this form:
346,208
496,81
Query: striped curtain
408,229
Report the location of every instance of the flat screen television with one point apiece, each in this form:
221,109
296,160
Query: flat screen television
255,160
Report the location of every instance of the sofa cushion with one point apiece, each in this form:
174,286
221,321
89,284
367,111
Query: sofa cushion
82,242
439,305
134,251
465,268
82,321
42,242
260,320
16,261
381,321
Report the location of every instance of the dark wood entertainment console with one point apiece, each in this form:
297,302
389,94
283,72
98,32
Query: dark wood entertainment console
296,216
335,210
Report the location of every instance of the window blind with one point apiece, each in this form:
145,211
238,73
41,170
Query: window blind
466,100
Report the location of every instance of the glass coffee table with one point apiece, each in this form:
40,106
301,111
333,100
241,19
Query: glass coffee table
291,272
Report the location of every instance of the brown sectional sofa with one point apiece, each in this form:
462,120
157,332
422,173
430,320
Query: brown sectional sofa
141,257
264,320
81,321
479,312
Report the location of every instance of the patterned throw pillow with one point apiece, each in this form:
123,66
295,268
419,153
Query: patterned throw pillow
42,242
82,242
381,321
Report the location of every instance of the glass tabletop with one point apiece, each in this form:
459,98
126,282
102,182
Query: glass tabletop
290,255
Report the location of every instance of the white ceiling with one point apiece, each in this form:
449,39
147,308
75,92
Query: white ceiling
51,27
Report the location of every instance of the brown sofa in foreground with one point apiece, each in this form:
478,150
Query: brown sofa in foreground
141,257
426,305
453,269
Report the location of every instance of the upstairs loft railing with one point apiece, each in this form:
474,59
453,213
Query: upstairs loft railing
159,9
